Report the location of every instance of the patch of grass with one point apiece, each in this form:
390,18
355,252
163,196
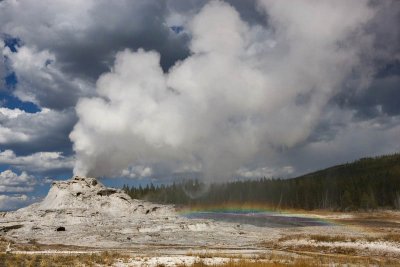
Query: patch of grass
33,245
252,263
288,237
319,238
312,260
336,255
209,254
42,260
391,237
331,239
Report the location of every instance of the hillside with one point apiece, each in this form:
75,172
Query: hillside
367,183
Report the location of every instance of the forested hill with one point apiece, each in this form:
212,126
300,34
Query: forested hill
367,183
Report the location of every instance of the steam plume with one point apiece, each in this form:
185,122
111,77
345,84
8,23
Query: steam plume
244,91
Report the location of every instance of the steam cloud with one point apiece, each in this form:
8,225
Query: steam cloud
245,91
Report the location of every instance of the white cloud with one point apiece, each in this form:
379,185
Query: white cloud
267,172
136,172
40,26
41,81
11,202
37,162
12,182
67,44
245,90
2,70
33,129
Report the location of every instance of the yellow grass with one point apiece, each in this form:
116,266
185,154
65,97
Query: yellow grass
315,260
247,263
17,260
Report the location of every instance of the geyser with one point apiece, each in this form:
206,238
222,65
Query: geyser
244,91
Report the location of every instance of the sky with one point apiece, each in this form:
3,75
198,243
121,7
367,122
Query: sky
153,91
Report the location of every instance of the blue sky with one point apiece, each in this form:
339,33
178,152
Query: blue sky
146,91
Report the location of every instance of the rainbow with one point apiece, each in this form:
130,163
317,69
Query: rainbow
261,214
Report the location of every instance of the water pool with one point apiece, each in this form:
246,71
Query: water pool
262,219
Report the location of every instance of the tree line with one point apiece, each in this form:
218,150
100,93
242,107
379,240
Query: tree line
368,183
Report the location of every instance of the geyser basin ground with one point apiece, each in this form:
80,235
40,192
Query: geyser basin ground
95,218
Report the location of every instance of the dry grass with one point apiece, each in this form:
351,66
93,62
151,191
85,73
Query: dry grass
271,260
248,263
318,238
330,238
54,260
391,237
39,260
336,255
32,245
301,256
213,254
300,262
320,249
311,260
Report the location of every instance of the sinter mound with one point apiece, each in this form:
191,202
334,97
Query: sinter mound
87,194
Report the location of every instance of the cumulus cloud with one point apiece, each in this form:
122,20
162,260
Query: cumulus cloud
67,44
179,13
11,202
40,80
44,130
84,35
12,182
37,162
2,71
136,172
245,90
284,171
